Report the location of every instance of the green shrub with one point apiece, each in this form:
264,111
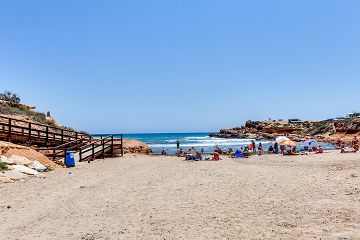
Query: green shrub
3,166
320,129
10,96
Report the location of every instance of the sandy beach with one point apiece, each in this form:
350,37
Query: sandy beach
153,197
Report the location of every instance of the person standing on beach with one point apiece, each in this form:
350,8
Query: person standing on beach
260,149
355,144
253,146
177,144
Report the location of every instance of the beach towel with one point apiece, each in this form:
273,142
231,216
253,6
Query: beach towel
238,154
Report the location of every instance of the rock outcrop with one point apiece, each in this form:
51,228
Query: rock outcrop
135,147
24,155
27,162
19,162
327,131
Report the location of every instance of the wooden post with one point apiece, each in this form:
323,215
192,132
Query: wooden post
9,137
93,151
47,134
103,148
29,136
122,148
80,155
112,146
62,135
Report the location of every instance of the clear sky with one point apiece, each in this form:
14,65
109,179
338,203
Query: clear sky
181,65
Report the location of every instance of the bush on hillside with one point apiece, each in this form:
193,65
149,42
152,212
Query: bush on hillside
10,96
20,111
3,166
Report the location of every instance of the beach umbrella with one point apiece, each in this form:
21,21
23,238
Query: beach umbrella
288,143
311,142
281,138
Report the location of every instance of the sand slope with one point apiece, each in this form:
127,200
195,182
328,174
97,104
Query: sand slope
144,197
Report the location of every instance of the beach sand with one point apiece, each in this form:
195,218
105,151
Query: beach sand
154,197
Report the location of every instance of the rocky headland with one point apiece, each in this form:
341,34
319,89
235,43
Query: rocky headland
326,131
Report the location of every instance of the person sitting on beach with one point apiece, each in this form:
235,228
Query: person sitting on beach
238,154
246,152
355,144
290,151
163,152
338,144
193,153
230,152
271,149
320,150
282,149
347,150
356,147
216,157
276,148
180,153
242,149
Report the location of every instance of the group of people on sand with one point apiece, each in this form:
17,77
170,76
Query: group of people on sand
253,149
194,155
352,148
275,148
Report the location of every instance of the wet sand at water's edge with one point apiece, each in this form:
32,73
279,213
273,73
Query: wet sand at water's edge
154,197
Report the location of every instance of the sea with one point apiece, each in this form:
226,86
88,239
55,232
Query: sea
167,141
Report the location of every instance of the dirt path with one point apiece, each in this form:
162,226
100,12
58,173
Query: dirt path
141,197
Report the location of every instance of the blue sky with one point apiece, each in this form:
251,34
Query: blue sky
179,66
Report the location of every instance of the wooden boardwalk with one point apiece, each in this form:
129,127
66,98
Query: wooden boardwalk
54,142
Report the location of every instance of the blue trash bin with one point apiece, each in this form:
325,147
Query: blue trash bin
70,159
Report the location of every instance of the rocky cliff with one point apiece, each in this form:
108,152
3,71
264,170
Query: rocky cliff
328,131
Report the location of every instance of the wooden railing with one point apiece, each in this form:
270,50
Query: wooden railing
100,147
11,128
59,152
69,140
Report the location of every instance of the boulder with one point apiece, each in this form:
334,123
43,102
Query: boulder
133,146
9,150
7,160
38,166
13,174
24,169
21,160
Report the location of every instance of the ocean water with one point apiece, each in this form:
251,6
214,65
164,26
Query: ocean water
167,141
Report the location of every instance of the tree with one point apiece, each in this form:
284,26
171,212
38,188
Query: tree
10,96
